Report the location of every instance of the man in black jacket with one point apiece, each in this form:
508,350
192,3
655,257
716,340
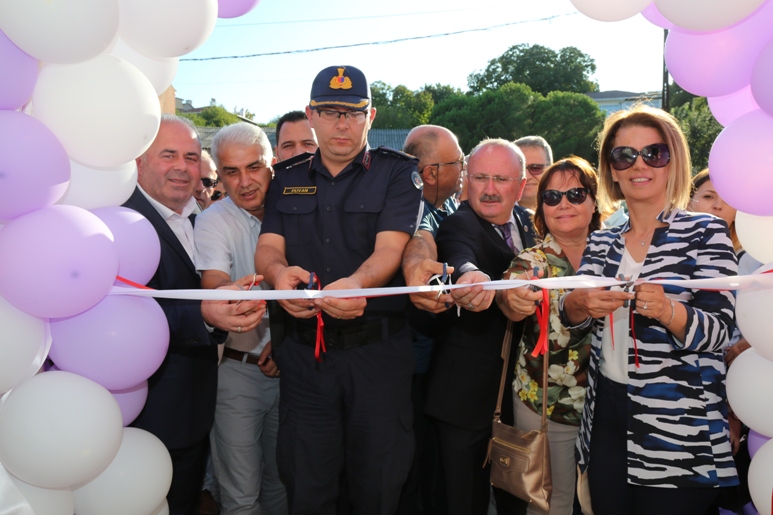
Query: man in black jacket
479,241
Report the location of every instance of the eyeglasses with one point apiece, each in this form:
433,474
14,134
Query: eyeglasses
452,163
332,116
209,183
536,168
482,178
656,155
575,196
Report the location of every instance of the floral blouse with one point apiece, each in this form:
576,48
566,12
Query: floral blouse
569,349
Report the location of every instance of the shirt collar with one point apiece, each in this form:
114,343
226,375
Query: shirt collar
165,212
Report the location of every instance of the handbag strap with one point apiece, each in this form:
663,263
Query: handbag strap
506,357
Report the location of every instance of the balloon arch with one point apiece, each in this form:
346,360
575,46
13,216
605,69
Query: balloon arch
66,165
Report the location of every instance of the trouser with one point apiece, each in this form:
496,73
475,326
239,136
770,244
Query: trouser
352,410
608,470
563,465
244,441
188,465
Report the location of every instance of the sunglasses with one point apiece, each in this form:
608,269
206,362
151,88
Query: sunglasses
656,155
209,183
575,196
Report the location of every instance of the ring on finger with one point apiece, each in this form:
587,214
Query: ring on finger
470,306
239,329
645,305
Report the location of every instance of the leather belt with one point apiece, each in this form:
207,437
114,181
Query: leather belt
237,355
348,337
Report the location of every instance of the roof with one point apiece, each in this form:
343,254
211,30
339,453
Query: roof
617,94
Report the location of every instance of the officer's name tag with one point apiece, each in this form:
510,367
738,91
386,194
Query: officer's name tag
300,190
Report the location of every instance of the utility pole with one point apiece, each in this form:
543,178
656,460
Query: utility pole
665,101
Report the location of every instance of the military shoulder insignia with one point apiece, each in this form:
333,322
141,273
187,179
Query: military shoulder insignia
340,81
293,161
416,178
396,153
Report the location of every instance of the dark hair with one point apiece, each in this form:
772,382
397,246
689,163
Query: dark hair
697,181
585,173
292,116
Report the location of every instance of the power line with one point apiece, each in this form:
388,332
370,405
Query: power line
319,49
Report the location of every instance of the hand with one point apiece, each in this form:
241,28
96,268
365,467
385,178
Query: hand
735,432
593,302
346,309
651,301
238,317
473,298
289,279
522,301
266,364
420,276
251,280
735,350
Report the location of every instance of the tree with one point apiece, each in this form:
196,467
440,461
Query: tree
399,107
700,128
440,92
541,68
501,113
570,122
211,116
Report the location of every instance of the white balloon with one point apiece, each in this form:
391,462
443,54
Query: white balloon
104,111
59,429
163,509
92,188
753,232
749,383
47,501
136,481
60,32
610,10
761,477
22,339
706,15
752,312
166,28
160,71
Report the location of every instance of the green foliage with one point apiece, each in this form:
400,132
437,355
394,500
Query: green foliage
399,107
700,128
541,68
569,121
211,116
440,92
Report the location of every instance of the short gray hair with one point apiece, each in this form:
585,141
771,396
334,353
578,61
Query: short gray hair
244,134
500,142
171,118
536,142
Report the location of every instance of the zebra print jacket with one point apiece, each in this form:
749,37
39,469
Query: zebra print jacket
678,433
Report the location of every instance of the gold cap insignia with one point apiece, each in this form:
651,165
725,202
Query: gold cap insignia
340,82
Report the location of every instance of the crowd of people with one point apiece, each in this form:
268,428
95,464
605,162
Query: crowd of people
384,405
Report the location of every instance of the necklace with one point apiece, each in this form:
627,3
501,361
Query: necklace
646,239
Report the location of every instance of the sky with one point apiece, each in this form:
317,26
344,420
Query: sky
628,54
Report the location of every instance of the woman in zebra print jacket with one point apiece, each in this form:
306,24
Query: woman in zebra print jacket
654,434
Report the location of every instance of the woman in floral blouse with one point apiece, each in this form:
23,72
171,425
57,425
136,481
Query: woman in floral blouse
566,214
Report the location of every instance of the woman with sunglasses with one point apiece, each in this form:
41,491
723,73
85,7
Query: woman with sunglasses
566,213
654,432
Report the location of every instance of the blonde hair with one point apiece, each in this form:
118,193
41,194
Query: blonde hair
641,115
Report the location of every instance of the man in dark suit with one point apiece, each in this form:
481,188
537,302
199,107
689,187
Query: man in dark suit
479,241
181,397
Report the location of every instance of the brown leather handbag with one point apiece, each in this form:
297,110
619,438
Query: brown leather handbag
520,460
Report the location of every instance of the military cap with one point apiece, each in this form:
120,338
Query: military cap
340,86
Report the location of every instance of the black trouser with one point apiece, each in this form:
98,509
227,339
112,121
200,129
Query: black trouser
188,466
608,469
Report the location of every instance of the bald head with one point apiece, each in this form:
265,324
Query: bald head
440,161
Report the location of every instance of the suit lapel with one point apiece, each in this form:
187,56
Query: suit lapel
139,203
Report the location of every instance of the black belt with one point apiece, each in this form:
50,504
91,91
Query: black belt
238,355
347,337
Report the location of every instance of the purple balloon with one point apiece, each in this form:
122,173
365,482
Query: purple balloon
20,72
34,168
57,261
719,63
118,343
741,162
654,16
234,8
762,79
139,249
755,441
728,108
131,401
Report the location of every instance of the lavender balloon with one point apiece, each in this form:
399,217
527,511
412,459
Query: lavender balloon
131,401
118,343
728,108
762,79
57,261
234,8
755,441
34,168
20,71
653,15
139,249
741,162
